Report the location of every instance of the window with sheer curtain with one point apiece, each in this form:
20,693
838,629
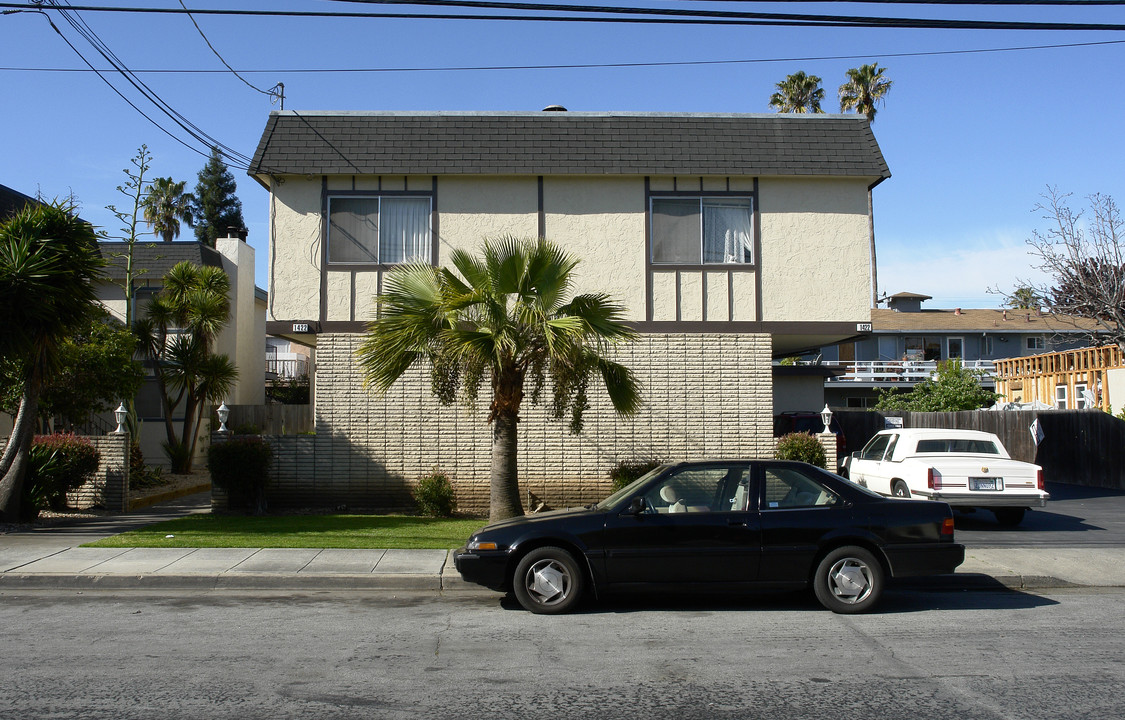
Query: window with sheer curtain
379,230
703,230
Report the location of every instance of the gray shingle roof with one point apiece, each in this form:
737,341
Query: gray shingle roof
557,143
156,258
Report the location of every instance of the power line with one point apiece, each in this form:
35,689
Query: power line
591,66
736,19
273,95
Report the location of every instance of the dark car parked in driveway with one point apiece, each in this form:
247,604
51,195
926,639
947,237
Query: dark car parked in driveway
723,525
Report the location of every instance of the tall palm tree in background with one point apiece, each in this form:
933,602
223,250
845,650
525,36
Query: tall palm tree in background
798,93
165,206
177,336
49,261
509,319
866,87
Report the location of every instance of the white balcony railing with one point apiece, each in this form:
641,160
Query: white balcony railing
908,371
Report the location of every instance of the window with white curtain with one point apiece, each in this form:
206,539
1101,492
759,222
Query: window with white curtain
702,230
381,230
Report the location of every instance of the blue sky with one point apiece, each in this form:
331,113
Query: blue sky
972,140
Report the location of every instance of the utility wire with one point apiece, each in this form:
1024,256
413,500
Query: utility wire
591,66
272,92
75,21
739,19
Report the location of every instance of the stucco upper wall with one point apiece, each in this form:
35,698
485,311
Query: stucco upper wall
295,257
815,250
601,221
471,209
813,265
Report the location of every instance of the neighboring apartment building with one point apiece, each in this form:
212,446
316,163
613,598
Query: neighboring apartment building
730,239
243,339
907,342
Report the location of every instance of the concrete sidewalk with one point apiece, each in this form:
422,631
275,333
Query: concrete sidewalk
51,558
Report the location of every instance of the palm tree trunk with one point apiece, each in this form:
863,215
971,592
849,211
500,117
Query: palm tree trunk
13,465
504,490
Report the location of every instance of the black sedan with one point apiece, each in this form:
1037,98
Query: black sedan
723,525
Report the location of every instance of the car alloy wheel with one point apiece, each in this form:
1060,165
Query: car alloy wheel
548,580
901,491
848,580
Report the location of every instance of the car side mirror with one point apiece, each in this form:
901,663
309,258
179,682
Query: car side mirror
637,506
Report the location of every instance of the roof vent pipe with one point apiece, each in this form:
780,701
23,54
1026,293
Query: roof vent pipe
554,108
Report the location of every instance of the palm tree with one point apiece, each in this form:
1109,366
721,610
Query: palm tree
798,93
165,206
177,336
48,263
864,89
509,319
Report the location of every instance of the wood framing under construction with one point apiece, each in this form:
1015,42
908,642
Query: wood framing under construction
1068,380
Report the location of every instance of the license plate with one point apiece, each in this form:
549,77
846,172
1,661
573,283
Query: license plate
986,483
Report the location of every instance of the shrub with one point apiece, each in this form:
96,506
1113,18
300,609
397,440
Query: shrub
241,467
57,463
246,429
434,495
801,446
626,471
141,475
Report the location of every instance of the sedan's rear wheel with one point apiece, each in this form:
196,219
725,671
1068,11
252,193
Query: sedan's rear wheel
900,489
548,580
1009,517
848,580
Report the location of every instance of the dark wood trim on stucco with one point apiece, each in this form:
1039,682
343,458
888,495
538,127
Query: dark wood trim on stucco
322,314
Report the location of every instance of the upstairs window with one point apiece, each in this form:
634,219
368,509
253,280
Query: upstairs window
378,230
1036,343
703,230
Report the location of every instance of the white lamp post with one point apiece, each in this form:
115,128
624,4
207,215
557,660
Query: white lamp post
120,414
826,417
223,413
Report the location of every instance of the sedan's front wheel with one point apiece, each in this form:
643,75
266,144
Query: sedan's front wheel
548,580
848,580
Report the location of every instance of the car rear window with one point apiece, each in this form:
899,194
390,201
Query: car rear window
958,445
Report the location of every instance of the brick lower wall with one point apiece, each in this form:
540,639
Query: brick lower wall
109,488
706,395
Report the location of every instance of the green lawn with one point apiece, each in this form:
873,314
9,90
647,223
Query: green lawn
300,531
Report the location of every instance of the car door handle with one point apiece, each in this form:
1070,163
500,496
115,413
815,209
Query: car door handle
735,522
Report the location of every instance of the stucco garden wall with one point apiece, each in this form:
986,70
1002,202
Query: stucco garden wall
706,396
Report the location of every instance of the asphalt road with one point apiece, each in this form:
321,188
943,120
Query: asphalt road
966,655
1075,516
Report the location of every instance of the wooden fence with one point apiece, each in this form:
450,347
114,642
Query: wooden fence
1079,447
271,419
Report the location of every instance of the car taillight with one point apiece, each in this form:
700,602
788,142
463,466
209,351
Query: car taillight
947,526
930,478
1039,479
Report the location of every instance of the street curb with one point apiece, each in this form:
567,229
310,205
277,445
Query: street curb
983,581
166,496
225,581
447,581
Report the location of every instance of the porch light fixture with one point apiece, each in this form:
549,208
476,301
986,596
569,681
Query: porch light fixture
120,414
826,417
223,412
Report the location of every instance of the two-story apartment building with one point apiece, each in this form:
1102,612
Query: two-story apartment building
243,338
907,341
730,239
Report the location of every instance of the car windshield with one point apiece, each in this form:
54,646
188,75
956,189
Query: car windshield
630,489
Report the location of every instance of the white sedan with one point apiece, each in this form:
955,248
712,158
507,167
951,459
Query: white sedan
965,468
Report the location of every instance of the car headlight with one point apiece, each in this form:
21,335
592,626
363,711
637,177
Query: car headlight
478,544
